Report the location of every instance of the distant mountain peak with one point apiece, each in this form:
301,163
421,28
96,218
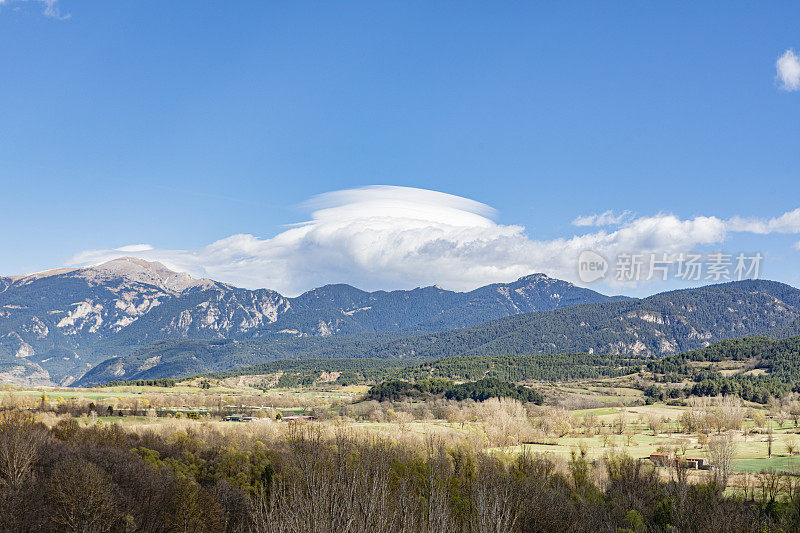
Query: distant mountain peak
131,269
539,276
141,271
134,261
133,265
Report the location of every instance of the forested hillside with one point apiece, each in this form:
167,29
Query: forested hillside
666,323
772,369
181,358
550,367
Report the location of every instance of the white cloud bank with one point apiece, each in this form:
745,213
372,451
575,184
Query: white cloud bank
788,67
398,237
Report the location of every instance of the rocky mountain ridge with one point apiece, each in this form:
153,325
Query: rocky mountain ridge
55,325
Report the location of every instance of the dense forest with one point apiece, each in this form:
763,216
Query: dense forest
554,367
778,359
480,390
363,369
101,478
774,369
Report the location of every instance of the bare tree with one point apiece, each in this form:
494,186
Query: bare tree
720,452
494,498
684,445
605,436
21,440
81,498
759,418
781,417
629,438
771,484
774,405
791,404
621,422
590,421
770,440
723,413
655,424
791,446
689,421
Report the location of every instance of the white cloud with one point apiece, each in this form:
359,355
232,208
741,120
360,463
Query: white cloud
786,223
51,7
788,67
385,237
608,218
135,248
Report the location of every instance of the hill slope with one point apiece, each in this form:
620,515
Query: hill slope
666,323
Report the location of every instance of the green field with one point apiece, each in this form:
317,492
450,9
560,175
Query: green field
788,464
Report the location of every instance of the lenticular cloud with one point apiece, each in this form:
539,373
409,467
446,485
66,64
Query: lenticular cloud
385,237
375,237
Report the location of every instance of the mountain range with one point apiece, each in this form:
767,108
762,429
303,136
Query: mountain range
663,324
56,325
133,319
666,323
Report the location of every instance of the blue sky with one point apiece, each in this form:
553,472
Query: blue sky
181,125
